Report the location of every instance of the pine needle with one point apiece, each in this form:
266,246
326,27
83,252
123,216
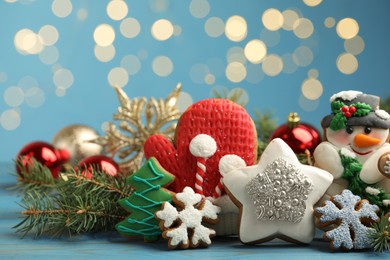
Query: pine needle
75,205
33,176
381,236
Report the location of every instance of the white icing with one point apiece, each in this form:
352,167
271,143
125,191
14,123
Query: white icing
203,146
372,191
349,219
387,165
229,163
382,114
348,153
252,229
169,214
225,203
346,95
178,235
196,208
188,197
386,202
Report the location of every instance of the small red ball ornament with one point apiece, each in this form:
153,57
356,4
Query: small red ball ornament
43,153
299,136
97,163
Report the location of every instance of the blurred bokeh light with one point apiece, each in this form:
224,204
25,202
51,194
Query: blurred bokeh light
60,58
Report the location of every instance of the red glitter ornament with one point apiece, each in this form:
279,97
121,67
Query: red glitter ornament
299,136
97,163
43,153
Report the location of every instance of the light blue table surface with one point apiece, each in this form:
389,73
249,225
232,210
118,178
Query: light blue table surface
105,246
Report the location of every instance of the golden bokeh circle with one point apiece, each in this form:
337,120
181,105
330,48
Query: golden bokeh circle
236,28
272,65
162,66
130,28
235,72
289,18
347,28
104,53
214,27
313,73
347,63
117,9
312,89
104,35
118,77
303,28
312,3
272,19
355,45
162,30
329,22
255,51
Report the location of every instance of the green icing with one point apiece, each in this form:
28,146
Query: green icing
145,201
352,168
339,121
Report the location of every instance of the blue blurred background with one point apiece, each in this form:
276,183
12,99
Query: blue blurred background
59,59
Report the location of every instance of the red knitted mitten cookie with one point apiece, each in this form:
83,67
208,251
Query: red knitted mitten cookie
224,121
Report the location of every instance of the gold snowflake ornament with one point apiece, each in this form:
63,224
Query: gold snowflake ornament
138,119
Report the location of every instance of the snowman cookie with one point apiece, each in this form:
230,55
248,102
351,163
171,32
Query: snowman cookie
356,147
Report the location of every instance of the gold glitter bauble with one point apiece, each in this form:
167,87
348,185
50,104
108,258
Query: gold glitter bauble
78,141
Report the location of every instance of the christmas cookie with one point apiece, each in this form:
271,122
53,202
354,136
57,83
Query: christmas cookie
352,218
206,131
183,224
356,134
276,196
149,194
384,164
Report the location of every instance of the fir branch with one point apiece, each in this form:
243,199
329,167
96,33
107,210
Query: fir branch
381,236
385,104
265,125
33,176
80,205
105,182
236,95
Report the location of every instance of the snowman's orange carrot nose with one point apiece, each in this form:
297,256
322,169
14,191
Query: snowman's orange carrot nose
362,140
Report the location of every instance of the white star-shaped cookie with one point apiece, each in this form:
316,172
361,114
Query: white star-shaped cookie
276,196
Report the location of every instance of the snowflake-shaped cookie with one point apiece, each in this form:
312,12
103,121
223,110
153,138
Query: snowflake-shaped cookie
184,227
352,216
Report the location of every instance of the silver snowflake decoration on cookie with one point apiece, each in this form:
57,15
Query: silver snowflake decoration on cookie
286,188
184,226
280,192
353,217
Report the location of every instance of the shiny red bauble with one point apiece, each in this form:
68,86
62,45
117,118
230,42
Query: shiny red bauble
97,163
299,136
43,153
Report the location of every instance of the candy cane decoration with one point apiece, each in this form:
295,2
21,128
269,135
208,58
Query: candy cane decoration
218,189
202,147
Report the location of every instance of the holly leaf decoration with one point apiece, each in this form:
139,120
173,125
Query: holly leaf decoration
336,106
338,122
362,109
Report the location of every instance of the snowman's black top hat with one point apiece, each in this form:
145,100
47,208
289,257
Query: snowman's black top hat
354,108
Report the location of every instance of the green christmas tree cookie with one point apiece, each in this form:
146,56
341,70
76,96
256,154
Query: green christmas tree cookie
147,198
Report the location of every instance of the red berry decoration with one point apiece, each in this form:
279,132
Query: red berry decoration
97,163
344,109
352,109
43,153
299,136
